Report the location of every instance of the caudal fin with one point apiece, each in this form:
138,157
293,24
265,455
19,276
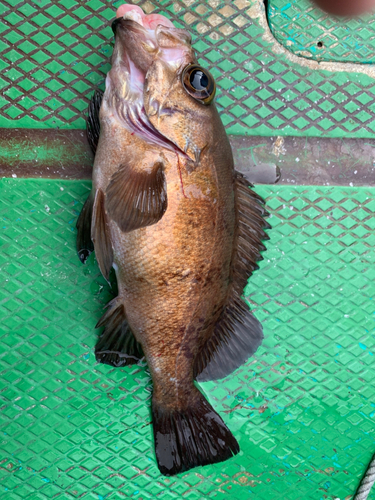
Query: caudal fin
188,438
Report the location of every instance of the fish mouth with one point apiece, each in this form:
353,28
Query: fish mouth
139,40
148,21
136,14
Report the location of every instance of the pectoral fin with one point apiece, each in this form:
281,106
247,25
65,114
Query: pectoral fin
237,334
137,198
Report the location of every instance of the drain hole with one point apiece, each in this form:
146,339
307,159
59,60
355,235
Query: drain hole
320,44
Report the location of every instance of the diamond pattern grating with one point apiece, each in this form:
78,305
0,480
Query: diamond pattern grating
54,53
307,31
303,409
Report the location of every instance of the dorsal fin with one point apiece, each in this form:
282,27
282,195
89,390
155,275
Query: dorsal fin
84,243
237,334
92,121
116,345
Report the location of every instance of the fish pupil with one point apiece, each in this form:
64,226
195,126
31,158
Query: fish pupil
198,80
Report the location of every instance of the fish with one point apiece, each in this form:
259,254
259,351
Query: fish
182,229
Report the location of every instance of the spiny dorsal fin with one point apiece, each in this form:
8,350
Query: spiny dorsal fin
92,121
137,198
100,235
84,243
117,345
237,334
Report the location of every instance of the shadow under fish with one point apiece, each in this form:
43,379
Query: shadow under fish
182,229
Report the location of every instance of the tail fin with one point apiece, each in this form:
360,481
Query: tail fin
191,437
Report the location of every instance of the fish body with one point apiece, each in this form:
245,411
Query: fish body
182,230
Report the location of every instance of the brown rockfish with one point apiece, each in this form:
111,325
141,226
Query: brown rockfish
181,228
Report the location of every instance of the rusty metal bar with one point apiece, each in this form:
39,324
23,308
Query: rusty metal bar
66,154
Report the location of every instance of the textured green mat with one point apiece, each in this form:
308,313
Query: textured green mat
308,31
53,53
303,409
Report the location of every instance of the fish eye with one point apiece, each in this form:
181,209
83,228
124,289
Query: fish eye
199,83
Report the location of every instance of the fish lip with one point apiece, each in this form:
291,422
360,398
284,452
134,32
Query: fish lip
115,23
128,24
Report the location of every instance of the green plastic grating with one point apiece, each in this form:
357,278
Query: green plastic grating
308,31
303,409
54,53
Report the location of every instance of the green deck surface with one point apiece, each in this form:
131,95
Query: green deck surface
307,31
54,53
302,409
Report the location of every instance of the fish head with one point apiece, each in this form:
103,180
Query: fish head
156,87
179,93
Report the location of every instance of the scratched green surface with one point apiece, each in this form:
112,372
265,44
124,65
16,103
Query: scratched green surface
53,53
307,31
302,409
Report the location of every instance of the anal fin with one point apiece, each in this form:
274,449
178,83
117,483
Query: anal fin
237,334
117,345
236,337
84,243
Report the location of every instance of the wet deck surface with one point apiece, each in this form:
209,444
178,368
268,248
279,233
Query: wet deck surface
301,408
